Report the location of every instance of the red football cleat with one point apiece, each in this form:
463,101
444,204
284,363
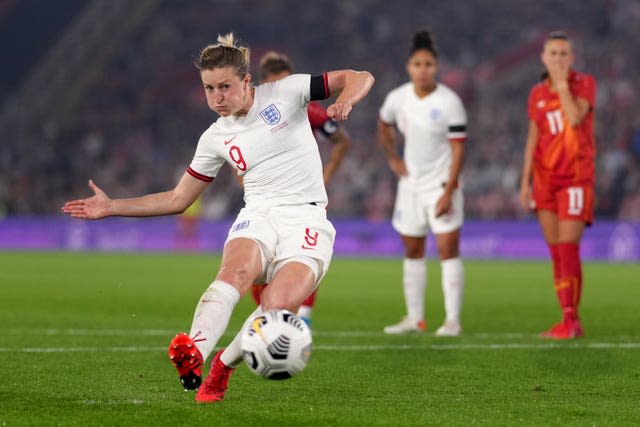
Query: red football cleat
187,359
565,330
216,383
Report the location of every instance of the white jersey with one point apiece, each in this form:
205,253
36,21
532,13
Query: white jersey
272,147
427,125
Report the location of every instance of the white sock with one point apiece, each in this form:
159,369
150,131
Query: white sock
452,287
305,311
232,355
212,315
414,283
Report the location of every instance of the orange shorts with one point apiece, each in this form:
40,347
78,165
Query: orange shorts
568,201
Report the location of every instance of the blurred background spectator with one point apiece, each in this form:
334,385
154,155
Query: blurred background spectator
107,90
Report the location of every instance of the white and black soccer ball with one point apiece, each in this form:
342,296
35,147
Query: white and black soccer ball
276,344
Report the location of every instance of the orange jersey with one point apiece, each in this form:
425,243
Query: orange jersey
563,154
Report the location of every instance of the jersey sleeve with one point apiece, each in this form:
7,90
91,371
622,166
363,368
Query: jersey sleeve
456,119
205,163
389,108
320,121
298,87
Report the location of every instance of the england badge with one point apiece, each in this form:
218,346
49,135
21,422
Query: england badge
271,115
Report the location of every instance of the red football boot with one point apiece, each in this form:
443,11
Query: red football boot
215,385
565,330
187,359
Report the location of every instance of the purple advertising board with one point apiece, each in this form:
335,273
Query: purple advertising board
606,240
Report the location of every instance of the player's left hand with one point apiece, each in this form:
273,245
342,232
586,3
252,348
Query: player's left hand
339,111
443,206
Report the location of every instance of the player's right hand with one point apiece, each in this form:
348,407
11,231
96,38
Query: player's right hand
526,202
398,167
94,207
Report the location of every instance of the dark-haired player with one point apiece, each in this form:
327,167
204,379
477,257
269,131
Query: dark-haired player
433,121
559,159
273,67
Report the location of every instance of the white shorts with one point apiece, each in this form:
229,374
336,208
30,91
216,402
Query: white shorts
284,232
414,211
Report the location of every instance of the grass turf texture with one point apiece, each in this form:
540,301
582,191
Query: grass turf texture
83,342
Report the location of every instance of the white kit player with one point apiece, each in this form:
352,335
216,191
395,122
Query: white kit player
282,234
433,121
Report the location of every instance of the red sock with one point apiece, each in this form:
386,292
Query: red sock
311,299
256,291
569,286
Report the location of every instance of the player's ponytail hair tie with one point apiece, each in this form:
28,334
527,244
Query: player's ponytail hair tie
423,40
226,53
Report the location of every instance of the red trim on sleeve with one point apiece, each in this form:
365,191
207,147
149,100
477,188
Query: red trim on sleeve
325,77
199,175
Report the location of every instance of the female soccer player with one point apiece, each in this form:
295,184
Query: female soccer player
275,66
282,234
433,121
559,157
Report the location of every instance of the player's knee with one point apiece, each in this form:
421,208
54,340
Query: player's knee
413,247
447,251
241,275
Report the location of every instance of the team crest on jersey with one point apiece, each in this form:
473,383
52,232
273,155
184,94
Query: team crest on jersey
271,115
436,114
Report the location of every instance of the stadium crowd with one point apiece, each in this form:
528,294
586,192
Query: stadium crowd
136,128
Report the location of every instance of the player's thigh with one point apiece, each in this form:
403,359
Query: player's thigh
303,231
293,281
251,225
570,231
546,207
241,263
548,221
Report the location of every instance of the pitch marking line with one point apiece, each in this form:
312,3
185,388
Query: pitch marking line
327,334
374,347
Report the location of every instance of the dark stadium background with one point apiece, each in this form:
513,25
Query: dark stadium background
107,90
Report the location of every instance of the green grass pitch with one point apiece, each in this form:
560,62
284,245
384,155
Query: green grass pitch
83,341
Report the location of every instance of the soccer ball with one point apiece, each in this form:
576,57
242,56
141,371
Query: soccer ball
276,344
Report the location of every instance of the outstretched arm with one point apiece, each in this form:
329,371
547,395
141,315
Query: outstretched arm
351,86
165,203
